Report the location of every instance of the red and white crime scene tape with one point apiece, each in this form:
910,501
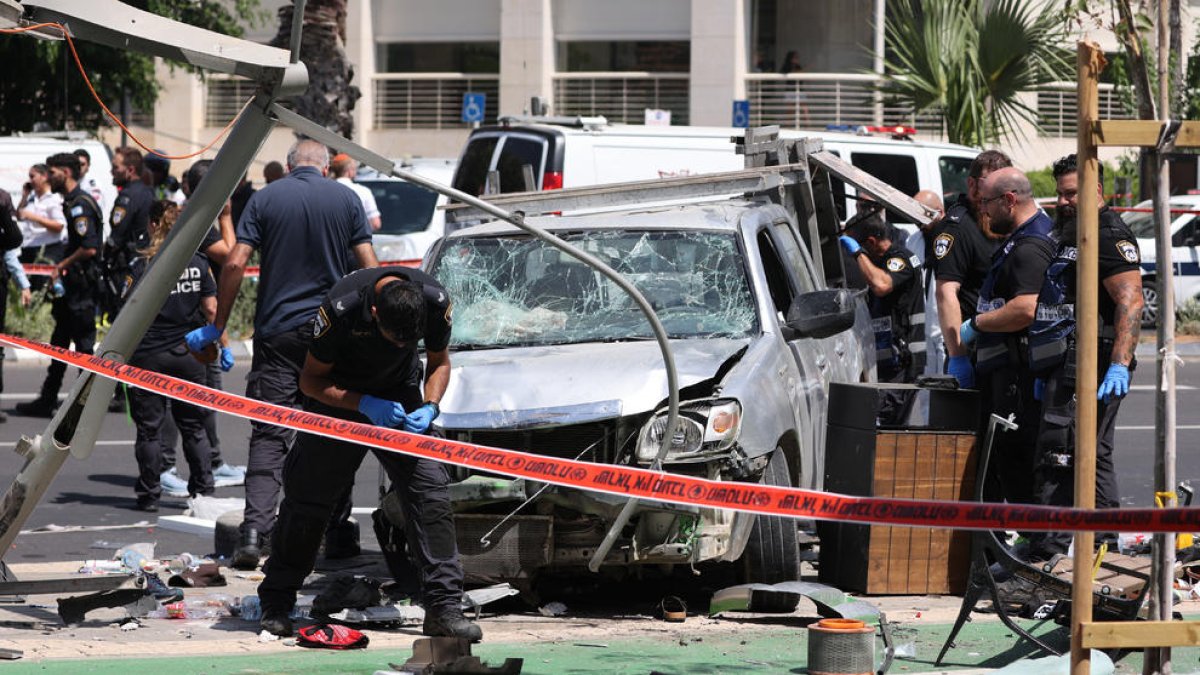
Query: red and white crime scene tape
38,270
635,482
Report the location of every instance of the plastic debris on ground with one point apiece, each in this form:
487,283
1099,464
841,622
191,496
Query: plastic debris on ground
249,608
211,508
137,557
1057,665
553,609
213,607
830,601
403,613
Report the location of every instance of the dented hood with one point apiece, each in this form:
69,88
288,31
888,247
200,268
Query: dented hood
564,384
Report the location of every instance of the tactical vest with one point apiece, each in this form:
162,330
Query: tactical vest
900,337
1053,330
993,350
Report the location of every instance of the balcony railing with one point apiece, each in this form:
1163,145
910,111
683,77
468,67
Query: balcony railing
816,100
622,96
430,100
1058,108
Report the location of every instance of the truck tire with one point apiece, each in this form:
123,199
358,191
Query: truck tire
772,553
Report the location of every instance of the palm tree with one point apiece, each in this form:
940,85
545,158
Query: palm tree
969,60
330,97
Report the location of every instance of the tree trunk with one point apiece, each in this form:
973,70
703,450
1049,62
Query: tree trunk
1179,68
1131,40
330,97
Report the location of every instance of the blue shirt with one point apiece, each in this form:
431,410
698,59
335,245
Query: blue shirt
305,227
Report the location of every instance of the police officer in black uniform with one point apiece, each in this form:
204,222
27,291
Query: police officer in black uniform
129,222
962,255
163,350
1052,354
75,312
893,275
1006,309
362,365
10,238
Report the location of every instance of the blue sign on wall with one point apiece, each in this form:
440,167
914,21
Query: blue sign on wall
472,107
741,113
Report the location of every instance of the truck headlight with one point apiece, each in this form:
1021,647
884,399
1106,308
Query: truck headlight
702,428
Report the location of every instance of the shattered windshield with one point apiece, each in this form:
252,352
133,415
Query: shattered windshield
518,290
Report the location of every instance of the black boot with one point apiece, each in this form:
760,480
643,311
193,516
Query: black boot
450,622
276,622
248,552
38,407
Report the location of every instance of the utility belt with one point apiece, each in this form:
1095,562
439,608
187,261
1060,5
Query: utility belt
81,277
1047,354
1001,350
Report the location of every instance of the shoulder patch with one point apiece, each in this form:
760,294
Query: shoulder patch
321,324
942,244
1129,251
81,225
118,214
77,210
896,264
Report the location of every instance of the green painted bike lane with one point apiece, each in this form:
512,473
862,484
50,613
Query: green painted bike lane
982,645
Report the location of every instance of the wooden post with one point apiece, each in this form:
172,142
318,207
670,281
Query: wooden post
1158,660
1090,62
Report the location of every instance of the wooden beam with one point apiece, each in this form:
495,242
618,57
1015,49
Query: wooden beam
1135,634
1141,133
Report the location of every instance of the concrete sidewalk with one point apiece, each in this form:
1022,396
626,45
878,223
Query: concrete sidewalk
586,640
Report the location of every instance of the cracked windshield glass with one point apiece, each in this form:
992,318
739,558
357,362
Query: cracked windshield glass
518,290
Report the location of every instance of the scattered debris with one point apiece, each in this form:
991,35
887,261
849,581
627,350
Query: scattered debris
386,614
672,609
830,601
449,655
331,636
251,576
266,636
553,609
130,625
211,508
11,654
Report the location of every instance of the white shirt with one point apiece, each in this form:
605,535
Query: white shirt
49,205
933,329
364,195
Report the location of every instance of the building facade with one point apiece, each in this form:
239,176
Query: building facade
798,63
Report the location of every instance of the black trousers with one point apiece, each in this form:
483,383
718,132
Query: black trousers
74,322
1054,465
170,434
1008,391
149,411
274,378
317,474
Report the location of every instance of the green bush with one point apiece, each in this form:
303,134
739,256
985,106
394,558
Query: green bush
1187,317
33,322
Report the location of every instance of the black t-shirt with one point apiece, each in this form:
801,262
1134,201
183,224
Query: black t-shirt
345,335
1118,253
905,270
1025,268
130,217
211,237
962,253
305,228
83,221
181,311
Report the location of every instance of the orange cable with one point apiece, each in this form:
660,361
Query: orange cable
114,118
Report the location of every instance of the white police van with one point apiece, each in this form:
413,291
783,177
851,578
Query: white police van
18,153
1185,251
563,152
410,213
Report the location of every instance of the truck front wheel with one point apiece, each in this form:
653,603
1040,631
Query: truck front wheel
772,553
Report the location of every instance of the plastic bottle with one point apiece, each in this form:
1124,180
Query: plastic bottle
209,608
250,609
133,560
183,562
57,289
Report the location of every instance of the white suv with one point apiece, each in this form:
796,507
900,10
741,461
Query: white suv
1185,251
411,218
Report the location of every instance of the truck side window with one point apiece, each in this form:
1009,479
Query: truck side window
790,247
954,172
899,171
1186,236
777,282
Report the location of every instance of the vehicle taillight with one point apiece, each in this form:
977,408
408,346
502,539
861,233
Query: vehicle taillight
552,180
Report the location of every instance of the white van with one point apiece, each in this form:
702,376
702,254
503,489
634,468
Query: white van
573,152
18,153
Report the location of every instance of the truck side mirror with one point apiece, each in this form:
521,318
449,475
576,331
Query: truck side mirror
821,314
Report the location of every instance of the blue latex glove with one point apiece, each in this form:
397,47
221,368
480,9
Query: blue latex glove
419,420
1115,384
226,359
202,337
962,370
850,244
381,412
1039,388
968,333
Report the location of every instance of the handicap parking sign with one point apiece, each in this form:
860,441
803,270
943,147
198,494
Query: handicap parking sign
741,113
472,107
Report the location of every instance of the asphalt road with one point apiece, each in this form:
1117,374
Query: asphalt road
98,491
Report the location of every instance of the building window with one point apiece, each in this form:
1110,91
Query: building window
653,56
440,57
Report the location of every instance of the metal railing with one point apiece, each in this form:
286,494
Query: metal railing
622,96
815,100
224,98
1058,108
430,100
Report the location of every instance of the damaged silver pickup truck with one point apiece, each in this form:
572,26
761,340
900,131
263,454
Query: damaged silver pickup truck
550,357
